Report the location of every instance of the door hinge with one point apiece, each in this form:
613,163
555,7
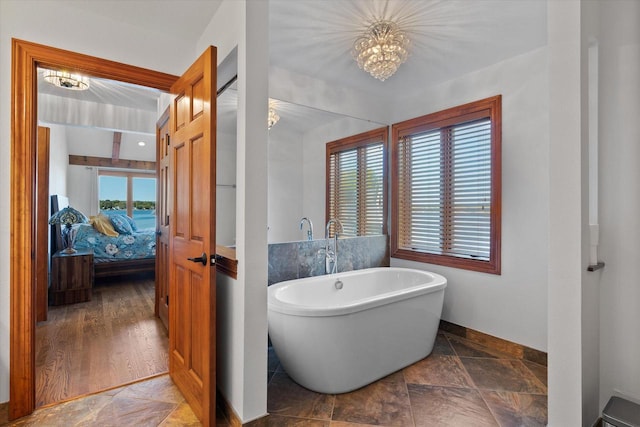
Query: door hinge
166,298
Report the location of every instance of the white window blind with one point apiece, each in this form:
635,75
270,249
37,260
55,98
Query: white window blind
356,188
446,175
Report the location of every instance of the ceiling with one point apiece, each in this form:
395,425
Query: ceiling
315,37
449,38
187,19
106,92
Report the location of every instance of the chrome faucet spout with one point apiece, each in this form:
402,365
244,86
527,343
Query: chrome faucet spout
331,253
310,230
337,223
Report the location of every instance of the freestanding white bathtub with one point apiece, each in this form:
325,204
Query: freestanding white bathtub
333,340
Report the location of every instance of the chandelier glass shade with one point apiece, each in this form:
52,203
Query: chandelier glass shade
66,80
273,115
381,49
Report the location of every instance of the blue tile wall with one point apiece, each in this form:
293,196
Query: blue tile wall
295,260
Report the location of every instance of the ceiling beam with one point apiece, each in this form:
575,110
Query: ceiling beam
105,162
115,153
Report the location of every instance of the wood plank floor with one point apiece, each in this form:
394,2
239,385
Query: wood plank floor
111,340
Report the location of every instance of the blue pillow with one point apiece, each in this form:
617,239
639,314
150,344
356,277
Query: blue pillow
121,224
131,222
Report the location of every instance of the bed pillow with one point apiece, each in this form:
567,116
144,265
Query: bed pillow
132,223
102,223
121,224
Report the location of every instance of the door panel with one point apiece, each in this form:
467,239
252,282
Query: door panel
162,215
192,233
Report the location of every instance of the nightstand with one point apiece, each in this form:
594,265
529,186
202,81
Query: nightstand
71,277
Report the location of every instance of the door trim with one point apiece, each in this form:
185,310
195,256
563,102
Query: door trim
25,58
42,224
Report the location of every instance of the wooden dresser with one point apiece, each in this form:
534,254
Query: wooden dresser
71,277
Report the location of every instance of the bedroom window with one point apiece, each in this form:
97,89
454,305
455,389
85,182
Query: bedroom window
357,183
133,193
446,181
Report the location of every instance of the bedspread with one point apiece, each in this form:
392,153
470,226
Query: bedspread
139,244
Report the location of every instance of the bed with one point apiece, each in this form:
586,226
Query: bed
113,256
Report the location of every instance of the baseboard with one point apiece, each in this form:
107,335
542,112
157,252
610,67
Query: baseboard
227,410
516,350
233,418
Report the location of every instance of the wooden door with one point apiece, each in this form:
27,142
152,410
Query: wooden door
162,218
192,304
42,224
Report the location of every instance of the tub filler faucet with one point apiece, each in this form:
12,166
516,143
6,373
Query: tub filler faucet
310,230
331,251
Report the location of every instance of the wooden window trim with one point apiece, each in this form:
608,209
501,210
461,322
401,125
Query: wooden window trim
489,107
129,175
357,141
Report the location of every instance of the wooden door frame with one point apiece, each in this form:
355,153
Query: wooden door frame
25,58
42,224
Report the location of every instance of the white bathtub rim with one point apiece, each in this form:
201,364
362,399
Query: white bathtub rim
437,283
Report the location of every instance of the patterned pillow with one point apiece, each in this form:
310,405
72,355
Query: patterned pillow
121,224
132,223
102,223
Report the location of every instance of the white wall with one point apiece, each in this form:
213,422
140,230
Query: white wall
242,313
299,89
487,302
590,281
86,141
619,130
225,189
565,215
253,60
82,189
285,186
58,159
82,32
362,112
314,165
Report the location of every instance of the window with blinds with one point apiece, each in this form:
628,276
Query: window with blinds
356,183
446,178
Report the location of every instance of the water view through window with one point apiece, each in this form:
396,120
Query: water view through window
114,197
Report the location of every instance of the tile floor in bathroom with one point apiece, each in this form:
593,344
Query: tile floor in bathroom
154,402
460,384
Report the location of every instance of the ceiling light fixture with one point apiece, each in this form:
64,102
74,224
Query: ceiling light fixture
66,80
142,143
381,49
273,115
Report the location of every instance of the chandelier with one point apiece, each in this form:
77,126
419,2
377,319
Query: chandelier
273,115
66,80
381,49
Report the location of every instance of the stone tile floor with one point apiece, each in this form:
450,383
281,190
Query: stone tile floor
460,384
154,402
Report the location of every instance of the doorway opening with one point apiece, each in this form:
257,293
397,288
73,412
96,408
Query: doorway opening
27,57
101,328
